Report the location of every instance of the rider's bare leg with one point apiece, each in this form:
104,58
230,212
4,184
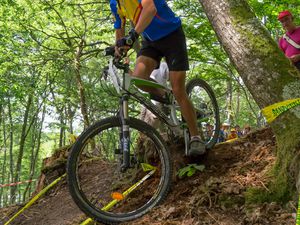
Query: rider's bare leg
177,79
143,69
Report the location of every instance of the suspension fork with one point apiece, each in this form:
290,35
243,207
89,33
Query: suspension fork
124,132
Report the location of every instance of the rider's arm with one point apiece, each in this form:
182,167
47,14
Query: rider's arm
120,20
120,33
148,12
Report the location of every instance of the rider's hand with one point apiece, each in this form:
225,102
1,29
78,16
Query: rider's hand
120,51
128,40
125,43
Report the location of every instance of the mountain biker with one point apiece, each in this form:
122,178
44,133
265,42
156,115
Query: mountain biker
162,37
292,32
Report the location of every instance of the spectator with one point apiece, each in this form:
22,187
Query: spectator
238,131
161,75
290,42
246,129
223,132
232,134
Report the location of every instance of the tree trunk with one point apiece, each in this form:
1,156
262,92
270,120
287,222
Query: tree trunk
70,117
80,85
11,145
62,128
34,156
21,149
4,146
237,108
269,77
229,101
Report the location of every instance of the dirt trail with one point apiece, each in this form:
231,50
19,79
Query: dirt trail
214,196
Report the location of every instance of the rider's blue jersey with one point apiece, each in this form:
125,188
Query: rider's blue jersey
163,23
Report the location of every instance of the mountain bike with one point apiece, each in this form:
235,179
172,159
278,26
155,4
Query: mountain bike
120,168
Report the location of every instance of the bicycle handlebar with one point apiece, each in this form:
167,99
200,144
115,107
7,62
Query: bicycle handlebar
109,51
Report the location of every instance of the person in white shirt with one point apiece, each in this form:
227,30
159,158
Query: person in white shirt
161,76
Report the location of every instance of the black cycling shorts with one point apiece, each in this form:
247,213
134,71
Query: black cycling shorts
172,47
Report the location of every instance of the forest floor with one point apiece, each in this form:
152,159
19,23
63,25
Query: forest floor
212,197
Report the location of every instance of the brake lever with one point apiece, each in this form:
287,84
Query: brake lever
119,58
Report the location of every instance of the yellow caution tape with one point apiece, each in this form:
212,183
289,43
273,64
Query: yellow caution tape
298,212
90,221
231,140
273,111
35,198
128,191
147,167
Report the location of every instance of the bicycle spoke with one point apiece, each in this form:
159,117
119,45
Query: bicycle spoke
206,109
104,190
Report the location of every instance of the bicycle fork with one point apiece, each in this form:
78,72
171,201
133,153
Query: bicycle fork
124,133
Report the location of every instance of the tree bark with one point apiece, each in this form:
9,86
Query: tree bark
269,77
34,155
11,145
237,108
80,85
21,149
4,146
229,114
70,116
62,128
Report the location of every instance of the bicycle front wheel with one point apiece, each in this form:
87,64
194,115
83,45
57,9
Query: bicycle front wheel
207,110
103,190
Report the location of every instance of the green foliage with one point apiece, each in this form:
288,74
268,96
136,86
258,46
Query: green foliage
279,190
230,201
259,195
190,170
38,44
209,61
268,12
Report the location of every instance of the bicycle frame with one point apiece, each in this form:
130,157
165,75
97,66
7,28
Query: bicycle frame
128,87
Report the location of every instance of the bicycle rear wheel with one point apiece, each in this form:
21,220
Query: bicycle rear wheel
101,189
207,110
